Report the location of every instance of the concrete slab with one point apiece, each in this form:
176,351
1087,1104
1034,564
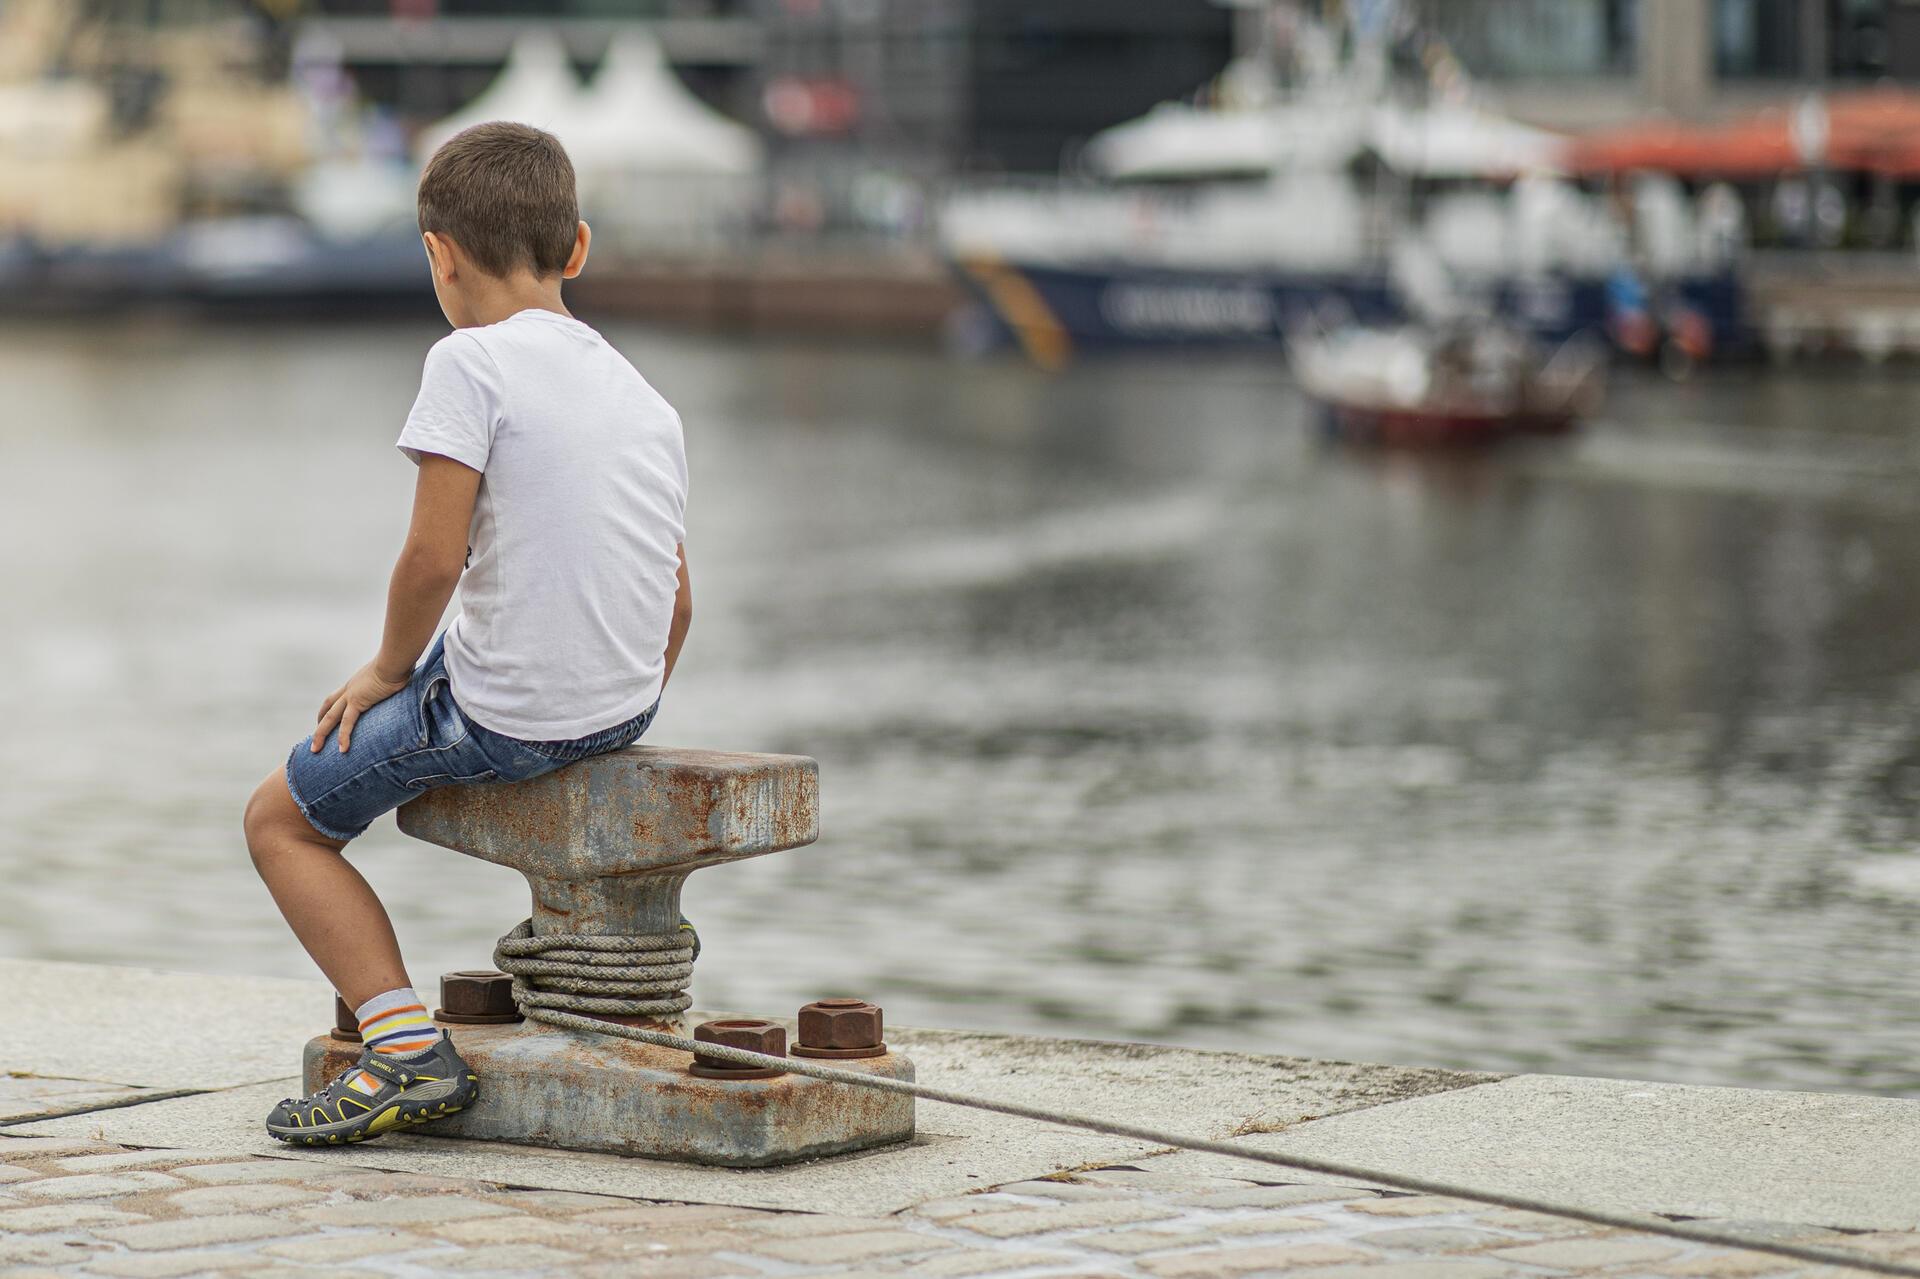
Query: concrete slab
877,1182
25,1097
1212,1094
160,1024
1823,1159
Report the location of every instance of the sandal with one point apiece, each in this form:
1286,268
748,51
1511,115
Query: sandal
412,1090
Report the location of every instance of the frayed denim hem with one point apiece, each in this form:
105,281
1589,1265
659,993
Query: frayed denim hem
301,804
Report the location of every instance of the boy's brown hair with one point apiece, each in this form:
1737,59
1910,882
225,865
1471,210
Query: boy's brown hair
505,194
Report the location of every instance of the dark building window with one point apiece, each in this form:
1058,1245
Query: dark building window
1871,39
1857,39
1757,38
1537,39
1815,39
1049,73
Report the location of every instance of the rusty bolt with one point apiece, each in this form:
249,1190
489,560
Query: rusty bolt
840,1028
346,1027
754,1036
479,997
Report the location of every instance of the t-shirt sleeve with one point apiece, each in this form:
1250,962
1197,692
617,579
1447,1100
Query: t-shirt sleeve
458,408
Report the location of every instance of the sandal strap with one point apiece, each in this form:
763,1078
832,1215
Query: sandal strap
386,1072
333,1093
377,1065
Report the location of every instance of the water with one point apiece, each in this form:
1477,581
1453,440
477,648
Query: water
1140,713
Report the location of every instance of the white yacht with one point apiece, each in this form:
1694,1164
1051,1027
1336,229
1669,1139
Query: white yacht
1222,223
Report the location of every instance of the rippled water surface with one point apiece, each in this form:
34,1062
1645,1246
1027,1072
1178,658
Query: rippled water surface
1139,712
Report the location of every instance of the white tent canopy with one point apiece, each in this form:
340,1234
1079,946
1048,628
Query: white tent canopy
657,167
636,118
537,86
639,116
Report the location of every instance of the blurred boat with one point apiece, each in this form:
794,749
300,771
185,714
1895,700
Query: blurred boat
1212,224
273,263
1466,383
260,264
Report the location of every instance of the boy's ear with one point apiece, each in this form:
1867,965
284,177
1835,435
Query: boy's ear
577,260
439,254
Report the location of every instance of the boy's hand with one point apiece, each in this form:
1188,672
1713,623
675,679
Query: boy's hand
365,689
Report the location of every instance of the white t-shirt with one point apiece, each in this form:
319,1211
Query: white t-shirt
572,556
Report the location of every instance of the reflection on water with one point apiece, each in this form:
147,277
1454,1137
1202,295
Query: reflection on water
1140,714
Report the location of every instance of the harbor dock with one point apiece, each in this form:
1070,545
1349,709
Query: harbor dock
138,1151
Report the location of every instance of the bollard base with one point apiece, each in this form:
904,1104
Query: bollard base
542,1086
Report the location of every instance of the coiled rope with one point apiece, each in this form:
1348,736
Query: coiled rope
559,976
642,975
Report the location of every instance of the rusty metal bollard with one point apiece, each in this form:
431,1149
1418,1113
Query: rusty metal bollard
606,845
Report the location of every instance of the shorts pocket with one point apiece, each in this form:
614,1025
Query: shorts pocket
441,723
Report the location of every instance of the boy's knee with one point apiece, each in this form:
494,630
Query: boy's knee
273,822
261,813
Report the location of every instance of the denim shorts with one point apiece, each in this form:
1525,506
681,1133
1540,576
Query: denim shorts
419,739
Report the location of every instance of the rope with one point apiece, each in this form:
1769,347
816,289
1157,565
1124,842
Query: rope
630,976
552,1007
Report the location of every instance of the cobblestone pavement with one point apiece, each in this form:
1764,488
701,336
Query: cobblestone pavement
82,1208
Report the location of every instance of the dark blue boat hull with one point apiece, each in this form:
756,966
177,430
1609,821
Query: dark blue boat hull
1125,307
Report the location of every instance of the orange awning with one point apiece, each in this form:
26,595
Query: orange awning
1877,131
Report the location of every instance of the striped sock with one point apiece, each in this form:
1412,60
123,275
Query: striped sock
394,1024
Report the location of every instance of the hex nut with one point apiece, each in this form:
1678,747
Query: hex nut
840,1028
753,1035
346,1027
476,997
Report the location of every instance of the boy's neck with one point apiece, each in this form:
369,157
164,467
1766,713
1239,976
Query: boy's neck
491,299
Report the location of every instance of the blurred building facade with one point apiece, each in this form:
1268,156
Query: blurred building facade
872,103
1577,63
935,87
939,84
1001,84
867,103
126,116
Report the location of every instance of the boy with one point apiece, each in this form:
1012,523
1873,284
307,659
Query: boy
556,477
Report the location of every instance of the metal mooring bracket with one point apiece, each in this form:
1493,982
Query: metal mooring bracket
605,845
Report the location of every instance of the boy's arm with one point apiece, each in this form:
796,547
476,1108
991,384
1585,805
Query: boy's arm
423,579
682,616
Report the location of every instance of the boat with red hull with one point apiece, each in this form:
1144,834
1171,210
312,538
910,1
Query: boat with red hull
1462,384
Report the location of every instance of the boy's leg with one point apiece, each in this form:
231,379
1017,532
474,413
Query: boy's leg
408,1071
330,907
297,822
